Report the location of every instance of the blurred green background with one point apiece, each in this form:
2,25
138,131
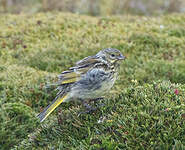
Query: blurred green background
95,7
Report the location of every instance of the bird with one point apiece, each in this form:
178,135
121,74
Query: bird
90,79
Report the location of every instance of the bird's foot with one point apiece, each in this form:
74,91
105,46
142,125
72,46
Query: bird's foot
89,108
96,100
88,111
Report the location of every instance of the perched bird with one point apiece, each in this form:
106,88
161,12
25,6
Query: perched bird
90,79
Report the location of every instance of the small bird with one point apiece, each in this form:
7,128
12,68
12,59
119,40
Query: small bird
89,79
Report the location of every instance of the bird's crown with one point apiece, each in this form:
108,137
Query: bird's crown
110,55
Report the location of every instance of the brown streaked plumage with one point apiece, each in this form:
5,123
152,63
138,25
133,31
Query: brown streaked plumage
91,78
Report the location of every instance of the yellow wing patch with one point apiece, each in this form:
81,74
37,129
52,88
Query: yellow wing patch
69,80
74,73
70,77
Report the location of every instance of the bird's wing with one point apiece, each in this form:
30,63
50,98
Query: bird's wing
88,60
74,73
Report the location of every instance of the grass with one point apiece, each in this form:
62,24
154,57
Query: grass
144,110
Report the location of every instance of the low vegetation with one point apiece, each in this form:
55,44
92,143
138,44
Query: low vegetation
144,110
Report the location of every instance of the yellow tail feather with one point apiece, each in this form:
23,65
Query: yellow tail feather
57,101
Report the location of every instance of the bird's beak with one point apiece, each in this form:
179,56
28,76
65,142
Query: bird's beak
121,57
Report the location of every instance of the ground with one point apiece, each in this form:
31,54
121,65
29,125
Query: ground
144,110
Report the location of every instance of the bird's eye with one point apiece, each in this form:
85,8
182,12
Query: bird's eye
112,55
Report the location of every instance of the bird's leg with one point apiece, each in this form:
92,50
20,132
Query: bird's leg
89,108
97,100
86,105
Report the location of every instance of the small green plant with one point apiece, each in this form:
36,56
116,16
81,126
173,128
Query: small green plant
145,109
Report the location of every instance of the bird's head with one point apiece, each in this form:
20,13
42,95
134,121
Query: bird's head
111,55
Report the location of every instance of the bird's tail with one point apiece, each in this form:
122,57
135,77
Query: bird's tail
57,101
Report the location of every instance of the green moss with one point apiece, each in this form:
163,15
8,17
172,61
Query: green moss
178,32
16,121
140,111
140,116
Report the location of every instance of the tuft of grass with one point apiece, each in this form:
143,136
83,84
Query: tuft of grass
145,109
149,116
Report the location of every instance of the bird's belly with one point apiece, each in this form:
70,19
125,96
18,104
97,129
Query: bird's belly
93,93
105,87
